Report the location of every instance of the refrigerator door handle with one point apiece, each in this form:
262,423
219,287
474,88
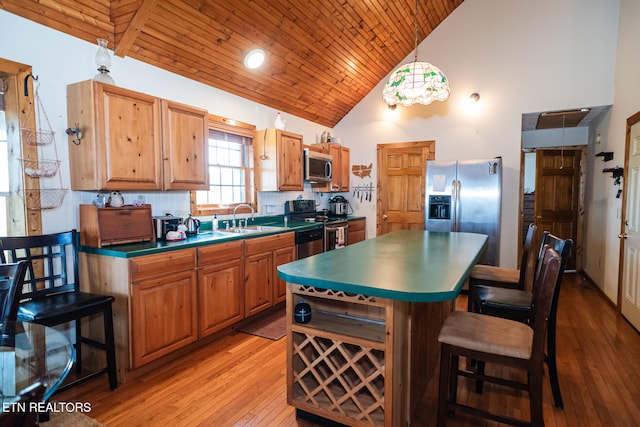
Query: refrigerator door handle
454,209
458,219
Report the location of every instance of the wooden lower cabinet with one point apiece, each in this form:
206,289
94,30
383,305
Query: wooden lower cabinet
357,231
163,309
168,301
281,256
258,282
263,288
220,286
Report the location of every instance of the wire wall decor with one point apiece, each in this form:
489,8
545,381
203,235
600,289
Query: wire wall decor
43,137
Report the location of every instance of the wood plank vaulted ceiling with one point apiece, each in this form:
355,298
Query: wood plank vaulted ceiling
323,56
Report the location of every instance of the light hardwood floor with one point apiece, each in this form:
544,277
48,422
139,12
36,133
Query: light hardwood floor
239,380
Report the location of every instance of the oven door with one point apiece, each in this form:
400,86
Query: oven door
336,235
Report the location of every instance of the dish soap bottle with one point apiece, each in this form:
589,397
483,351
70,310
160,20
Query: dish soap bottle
215,222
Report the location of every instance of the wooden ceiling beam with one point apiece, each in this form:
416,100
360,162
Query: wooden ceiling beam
139,20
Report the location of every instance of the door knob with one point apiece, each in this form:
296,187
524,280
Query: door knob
384,217
623,235
538,216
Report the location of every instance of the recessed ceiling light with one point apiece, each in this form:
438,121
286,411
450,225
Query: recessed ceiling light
254,59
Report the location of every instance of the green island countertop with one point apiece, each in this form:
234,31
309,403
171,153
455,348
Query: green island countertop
414,266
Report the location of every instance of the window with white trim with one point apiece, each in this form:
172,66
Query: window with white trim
230,169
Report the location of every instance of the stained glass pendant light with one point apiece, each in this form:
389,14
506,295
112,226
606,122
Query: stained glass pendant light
416,81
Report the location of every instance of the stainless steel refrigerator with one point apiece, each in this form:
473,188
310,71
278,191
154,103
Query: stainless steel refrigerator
466,196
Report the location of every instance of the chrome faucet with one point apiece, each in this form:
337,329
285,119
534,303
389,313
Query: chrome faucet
233,222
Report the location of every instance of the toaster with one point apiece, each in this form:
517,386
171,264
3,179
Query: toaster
164,224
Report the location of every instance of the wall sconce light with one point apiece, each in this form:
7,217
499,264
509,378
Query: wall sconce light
474,97
103,61
75,131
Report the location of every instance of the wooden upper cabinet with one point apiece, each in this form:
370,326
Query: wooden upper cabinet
341,167
278,160
128,135
121,147
184,140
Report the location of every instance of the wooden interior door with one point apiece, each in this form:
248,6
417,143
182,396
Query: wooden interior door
401,185
629,277
557,196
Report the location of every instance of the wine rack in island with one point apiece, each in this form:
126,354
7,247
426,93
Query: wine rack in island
361,360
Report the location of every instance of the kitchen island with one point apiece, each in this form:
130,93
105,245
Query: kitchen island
370,348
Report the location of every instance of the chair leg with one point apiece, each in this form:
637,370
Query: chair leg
443,385
480,371
551,363
78,324
453,378
110,348
535,397
470,296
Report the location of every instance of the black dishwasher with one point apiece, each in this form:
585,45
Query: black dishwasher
309,242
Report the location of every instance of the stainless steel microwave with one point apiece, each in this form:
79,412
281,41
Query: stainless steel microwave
317,166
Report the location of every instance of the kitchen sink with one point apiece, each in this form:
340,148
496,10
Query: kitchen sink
252,229
241,230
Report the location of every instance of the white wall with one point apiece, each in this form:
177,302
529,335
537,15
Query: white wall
58,59
602,244
521,57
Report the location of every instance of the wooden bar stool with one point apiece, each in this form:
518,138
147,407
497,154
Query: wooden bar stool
500,341
516,304
490,275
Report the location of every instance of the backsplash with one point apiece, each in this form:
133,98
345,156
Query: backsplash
177,202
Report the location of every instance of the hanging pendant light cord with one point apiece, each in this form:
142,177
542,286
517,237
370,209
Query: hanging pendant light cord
415,59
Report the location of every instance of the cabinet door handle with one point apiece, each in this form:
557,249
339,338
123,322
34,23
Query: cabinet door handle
384,216
623,235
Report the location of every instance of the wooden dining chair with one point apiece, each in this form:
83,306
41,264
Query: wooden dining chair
501,341
516,304
490,275
51,294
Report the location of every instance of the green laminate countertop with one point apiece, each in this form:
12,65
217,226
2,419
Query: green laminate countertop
206,237
415,266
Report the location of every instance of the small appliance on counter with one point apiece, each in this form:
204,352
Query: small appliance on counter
192,225
339,206
163,224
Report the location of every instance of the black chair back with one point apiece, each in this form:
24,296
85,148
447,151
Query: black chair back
526,254
52,262
563,247
546,282
11,284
